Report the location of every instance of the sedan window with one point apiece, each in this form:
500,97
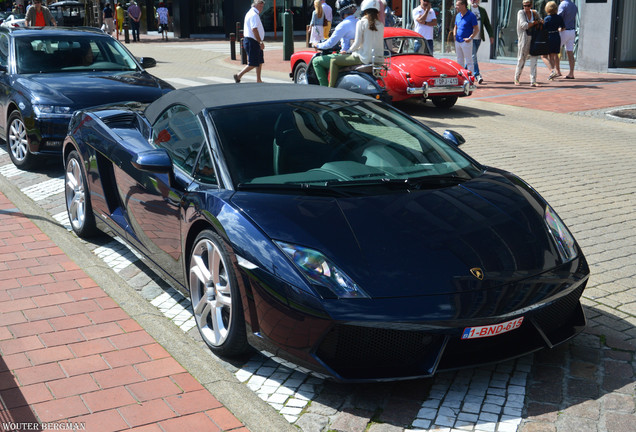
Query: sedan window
52,54
4,49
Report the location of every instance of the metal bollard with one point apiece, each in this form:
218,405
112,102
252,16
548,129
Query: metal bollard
232,46
243,52
288,34
126,34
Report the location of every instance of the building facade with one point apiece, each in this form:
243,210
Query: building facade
606,31
219,17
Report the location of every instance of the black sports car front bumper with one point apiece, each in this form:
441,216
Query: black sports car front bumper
359,347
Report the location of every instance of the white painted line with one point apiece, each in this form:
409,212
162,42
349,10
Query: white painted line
38,192
246,78
9,170
182,82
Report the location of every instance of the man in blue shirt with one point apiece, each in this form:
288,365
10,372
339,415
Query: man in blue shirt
466,29
345,33
568,12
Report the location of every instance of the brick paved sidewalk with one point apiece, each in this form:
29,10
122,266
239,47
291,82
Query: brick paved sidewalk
69,353
588,91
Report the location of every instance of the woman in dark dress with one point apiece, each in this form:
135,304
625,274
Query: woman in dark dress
553,23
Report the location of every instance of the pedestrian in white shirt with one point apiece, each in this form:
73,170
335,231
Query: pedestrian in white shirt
253,34
424,22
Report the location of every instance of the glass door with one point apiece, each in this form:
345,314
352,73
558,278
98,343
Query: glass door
208,16
505,23
624,50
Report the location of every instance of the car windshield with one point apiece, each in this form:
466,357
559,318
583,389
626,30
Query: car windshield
333,143
406,45
53,53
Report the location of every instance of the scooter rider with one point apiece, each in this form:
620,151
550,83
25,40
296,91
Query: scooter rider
345,33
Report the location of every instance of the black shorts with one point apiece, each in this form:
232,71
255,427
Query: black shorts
254,52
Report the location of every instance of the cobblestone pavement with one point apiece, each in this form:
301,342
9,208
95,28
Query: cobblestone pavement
582,164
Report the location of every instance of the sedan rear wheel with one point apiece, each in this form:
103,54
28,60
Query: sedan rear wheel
18,142
216,300
78,205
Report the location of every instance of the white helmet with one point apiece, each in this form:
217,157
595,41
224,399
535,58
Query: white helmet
370,4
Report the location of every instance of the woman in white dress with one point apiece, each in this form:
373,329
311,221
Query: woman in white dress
317,23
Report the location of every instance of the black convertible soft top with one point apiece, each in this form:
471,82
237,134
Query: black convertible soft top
223,95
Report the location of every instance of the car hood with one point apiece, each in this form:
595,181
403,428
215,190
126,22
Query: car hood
92,88
418,243
422,66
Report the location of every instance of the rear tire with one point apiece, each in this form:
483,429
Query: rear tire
300,73
444,102
77,197
18,142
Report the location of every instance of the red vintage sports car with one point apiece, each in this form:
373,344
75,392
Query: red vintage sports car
412,71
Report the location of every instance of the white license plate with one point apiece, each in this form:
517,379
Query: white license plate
445,81
491,330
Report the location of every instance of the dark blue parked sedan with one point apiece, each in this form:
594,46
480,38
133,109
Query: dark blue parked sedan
48,73
329,228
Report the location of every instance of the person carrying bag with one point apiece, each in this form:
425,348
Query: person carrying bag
540,36
527,20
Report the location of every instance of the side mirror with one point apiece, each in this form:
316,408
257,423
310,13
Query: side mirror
154,161
453,137
147,62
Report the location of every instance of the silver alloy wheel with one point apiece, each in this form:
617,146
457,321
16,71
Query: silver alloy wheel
18,143
210,292
75,194
300,75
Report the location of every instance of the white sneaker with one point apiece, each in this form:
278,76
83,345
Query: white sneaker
480,79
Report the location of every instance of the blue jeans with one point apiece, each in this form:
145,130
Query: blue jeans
429,42
476,43
417,45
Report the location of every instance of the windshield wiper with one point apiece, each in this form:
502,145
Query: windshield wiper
304,188
436,180
347,188
366,182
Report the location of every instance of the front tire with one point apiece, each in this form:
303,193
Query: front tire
18,142
444,102
78,203
216,300
300,73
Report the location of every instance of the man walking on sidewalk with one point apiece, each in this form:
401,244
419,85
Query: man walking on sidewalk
568,12
253,35
484,22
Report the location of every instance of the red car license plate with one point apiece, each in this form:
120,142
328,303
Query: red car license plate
445,81
491,330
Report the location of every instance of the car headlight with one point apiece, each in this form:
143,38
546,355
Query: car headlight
320,270
52,110
562,237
